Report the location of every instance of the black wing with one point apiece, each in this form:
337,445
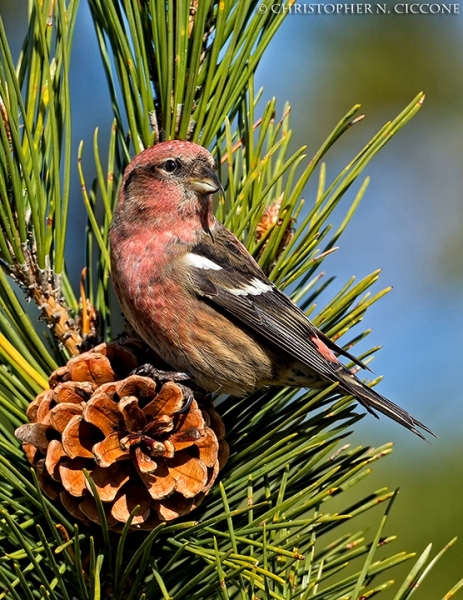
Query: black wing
242,289
228,276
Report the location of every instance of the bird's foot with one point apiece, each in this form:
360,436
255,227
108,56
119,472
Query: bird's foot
160,376
147,370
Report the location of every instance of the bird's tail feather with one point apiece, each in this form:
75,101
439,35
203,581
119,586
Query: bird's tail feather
373,401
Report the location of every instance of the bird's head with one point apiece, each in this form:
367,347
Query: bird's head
170,178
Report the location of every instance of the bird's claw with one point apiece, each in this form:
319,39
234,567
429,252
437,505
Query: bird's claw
188,394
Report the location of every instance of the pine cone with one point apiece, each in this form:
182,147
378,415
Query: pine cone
125,430
271,218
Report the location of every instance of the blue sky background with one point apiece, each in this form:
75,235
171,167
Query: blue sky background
411,218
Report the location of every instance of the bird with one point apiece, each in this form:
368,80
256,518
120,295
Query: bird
196,296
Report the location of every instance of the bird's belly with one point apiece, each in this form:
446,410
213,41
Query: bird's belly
195,338
220,353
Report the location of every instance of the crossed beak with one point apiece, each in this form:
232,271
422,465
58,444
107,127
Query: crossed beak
205,181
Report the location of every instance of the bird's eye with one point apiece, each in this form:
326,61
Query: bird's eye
170,166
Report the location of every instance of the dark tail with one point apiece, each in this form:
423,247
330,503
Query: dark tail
373,401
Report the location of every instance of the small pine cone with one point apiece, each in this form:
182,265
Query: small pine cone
125,430
271,218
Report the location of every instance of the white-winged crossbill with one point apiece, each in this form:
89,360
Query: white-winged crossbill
194,294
